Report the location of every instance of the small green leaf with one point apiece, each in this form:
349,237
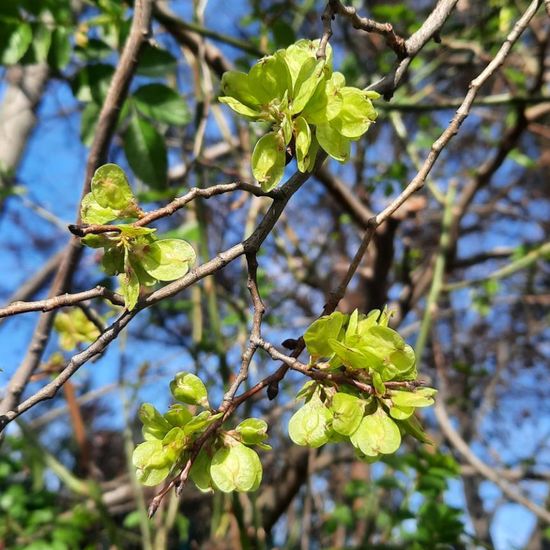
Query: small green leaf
113,260
92,212
161,103
155,426
155,62
146,152
309,77
129,285
317,335
270,78
356,114
60,50
178,416
309,424
326,102
200,471
296,55
377,433
252,431
92,82
303,143
152,467
189,388
401,413
333,142
42,39
410,398
239,107
268,161
236,468
168,259
236,85
200,421
413,427
16,43
347,411
110,187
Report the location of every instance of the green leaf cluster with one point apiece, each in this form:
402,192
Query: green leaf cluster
365,349
135,254
226,462
307,105
74,328
35,32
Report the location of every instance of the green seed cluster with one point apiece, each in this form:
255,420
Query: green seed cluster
308,105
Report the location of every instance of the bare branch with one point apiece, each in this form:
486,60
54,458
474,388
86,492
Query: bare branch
418,181
177,204
63,300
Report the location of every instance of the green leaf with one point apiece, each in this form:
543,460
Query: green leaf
151,464
41,41
129,285
60,50
347,411
410,399
268,161
200,471
326,102
92,82
92,212
161,103
178,416
333,142
113,260
200,421
317,335
252,431
296,55
16,43
413,427
236,468
110,187
270,78
189,388
155,426
303,143
236,85
168,259
309,77
309,424
97,241
377,433
239,107
155,62
74,328
146,152
356,114
401,413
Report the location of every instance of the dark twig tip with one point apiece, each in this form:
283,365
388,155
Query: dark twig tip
76,230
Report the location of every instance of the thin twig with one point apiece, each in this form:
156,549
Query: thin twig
63,300
452,129
255,333
177,204
393,40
